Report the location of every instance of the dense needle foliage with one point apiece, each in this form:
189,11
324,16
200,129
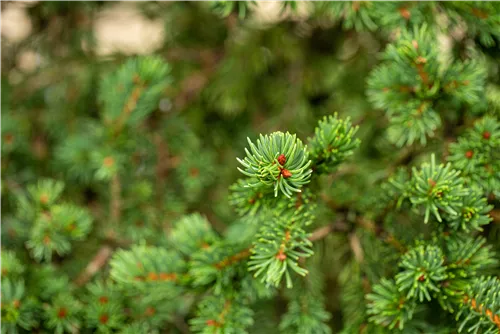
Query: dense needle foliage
292,167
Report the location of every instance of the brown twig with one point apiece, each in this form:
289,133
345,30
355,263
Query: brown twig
356,247
130,105
495,214
115,203
93,267
322,232
181,325
192,85
233,259
340,226
162,165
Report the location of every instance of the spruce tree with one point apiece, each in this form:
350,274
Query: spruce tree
334,169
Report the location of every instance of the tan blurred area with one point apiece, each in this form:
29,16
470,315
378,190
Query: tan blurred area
120,27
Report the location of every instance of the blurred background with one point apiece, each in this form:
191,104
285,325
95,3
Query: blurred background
236,69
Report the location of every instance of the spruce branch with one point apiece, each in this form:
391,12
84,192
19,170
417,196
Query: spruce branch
18,311
131,93
476,155
14,134
469,255
414,122
279,160
412,83
437,188
196,172
473,215
305,314
221,315
405,14
359,15
51,225
332,143
480,310
423,271
192,233
45,192
63,314
481,19
233,259
54,229
219,265
248,201
388,307
466,256
130,104
75,153
352,297
12,267
464,82
279,244
152,270
103,307
104,316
